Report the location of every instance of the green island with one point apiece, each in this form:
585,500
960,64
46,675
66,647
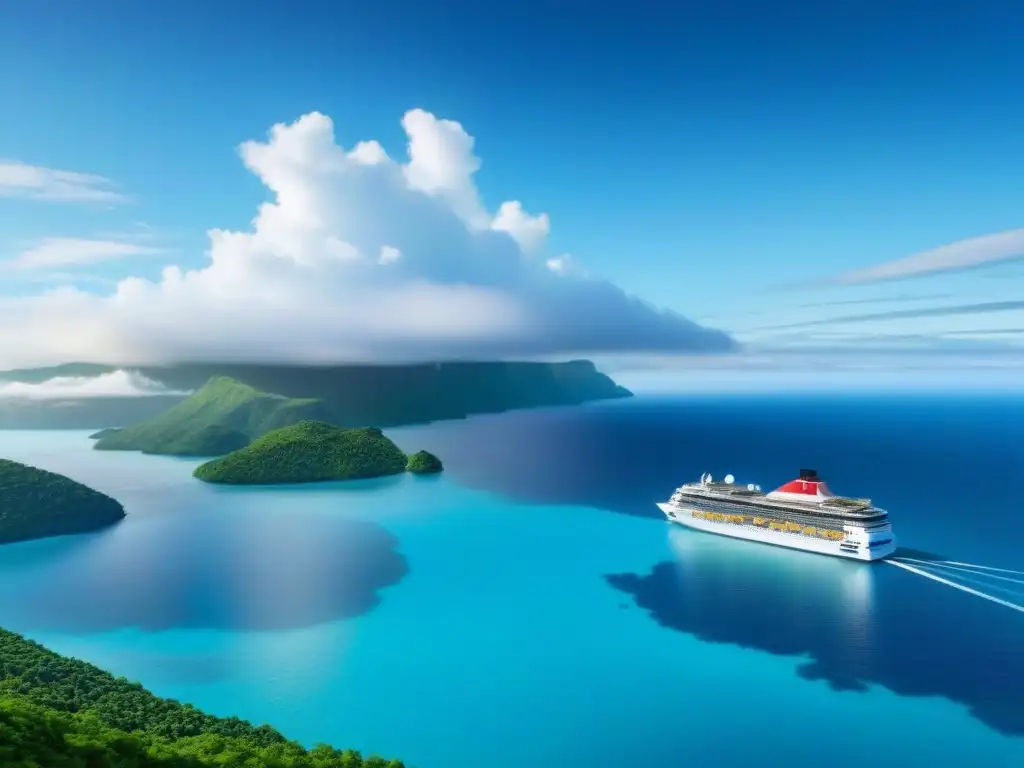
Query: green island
309,451
423,463
104,433
35,503
221,417
59,712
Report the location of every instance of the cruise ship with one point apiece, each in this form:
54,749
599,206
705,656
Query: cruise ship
802,514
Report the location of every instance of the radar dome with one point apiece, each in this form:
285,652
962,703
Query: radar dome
729,479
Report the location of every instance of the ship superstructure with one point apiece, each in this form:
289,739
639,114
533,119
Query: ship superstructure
801,514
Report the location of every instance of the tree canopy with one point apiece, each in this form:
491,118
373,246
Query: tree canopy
59,712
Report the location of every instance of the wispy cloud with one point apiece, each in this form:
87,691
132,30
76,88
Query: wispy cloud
901,365
64,252
908,314
988,332
774,311
881,300
35,182
73,278
963,254
843,345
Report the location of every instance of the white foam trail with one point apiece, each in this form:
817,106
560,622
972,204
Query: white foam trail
980,580
983,567
954,585
960,568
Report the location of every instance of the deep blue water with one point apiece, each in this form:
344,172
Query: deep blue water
530,607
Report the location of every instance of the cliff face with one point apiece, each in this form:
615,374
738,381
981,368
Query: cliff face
358,395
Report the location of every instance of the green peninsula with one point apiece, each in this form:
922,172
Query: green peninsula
59,712
222,416
306,452
35,503
424,463
104,433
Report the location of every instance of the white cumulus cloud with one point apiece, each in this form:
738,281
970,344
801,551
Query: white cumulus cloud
528,231
114,384
38,183
357,257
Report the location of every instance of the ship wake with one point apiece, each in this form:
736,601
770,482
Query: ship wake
981,575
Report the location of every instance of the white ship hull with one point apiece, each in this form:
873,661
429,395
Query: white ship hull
680,514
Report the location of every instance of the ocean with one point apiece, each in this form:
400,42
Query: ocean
530,607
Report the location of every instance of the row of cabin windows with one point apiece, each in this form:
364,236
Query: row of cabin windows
805,520
763,509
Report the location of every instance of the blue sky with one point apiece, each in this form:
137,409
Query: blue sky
727,161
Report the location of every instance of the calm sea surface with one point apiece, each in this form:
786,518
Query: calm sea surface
530,607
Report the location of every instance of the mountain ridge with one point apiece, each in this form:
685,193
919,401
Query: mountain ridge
358,395
222,416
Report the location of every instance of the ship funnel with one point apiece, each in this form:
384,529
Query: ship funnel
729,479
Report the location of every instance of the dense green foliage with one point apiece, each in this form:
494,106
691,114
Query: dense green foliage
35,503
390,395
424,463
58,712
357,395
221,417
309,451
104,433
211,440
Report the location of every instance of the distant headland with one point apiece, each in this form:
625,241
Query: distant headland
35,503
356,395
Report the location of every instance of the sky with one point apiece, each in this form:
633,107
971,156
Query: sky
720,195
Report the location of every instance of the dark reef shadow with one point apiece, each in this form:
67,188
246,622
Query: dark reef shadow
860,624
209,571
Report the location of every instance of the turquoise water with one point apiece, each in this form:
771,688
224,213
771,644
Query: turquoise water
451,626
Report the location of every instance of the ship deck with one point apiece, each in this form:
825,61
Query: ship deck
835,507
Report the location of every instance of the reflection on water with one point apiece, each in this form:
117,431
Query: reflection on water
857,624
200,570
